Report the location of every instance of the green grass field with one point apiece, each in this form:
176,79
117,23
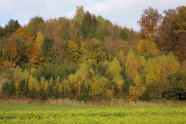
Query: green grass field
55,114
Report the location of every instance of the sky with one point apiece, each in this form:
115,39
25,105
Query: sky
124,13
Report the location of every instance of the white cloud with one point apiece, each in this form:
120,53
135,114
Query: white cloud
122,12
127,12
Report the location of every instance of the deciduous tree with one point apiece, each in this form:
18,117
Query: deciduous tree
149,23
147,48
172,34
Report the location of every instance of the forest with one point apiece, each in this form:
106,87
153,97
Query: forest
89,58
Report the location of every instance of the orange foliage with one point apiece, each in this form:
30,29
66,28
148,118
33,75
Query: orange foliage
8,64
148,28
13,52
24,33
1,62
35,58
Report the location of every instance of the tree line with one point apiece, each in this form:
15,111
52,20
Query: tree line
89,58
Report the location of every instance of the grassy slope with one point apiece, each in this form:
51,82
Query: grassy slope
17,113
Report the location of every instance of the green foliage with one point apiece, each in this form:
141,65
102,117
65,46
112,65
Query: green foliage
102,29
73,51
36,24
49,70
43,94
176,86
91,114
89,58
78,19
46,47
25,89
124,34
93,51
88,26
9,88
158,69
119,83
97,86
134,64
114,67
1,31
32,93
11,27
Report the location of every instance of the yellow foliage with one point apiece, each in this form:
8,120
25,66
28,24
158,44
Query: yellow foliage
131,64
24,33
32,71
141,61
31,83
114,67
73,51
136,92
91,72
72,45
37,86
71,78
51,81
17,73
17,85
109,94
148,48
39,40
167,65
25,75
33,47
134,64
1,62
96,89
8,64
137,79
98,86
94,51
158,69
121,56
61,88
65,87
119,81
45,85
151,70
58,85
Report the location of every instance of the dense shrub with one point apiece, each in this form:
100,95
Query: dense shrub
176,86
89,81
49,70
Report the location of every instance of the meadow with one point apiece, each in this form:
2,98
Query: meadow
92,114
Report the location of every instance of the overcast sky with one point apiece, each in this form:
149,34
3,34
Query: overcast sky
121,12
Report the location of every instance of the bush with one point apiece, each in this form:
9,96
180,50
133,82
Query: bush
11,88
49,70
32,93
176,86
25,89
154,91
43,94
146,95
5,88
21,87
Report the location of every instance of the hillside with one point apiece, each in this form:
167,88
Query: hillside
89,58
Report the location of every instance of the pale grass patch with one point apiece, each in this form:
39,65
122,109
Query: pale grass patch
112,102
